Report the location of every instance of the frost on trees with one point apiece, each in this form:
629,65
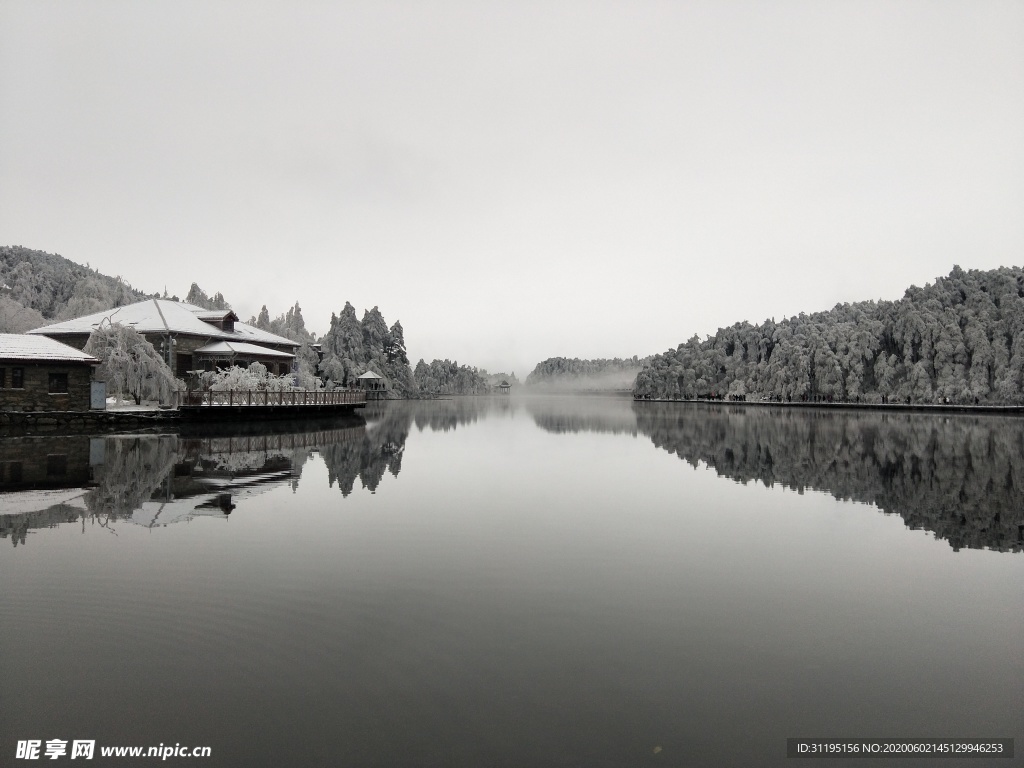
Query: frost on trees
959,340
255,378
198,297
40,286
130,365
351,347
292,326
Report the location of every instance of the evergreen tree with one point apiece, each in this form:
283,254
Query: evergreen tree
263,321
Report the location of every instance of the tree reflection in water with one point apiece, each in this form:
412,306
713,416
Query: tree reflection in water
958,476
133,468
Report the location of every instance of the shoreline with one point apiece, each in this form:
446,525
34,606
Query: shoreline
1004,410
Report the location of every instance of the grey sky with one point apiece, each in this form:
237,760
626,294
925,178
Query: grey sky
515,181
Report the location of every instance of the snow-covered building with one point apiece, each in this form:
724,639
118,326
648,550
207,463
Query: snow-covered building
40,374
190,338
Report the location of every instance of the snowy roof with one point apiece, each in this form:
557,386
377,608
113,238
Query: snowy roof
164,316
245,332
370,375
213,314
240,348
20,346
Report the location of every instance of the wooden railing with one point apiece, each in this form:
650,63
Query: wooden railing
258,397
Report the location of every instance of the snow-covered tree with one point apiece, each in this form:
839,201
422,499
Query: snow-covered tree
17,318
351,348
197,296
56,288
130,365
256,377
263,321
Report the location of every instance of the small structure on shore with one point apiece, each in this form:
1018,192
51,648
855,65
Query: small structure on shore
40,374
374,385
504,388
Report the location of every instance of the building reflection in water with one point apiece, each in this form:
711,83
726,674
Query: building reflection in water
159,479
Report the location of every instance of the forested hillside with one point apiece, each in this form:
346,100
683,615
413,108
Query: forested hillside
38,287
960,340
575,374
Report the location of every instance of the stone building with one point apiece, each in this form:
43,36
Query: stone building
190,338
40,374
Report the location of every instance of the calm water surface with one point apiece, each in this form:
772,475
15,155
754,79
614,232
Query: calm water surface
487,582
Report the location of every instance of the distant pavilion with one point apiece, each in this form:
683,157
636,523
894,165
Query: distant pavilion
374,385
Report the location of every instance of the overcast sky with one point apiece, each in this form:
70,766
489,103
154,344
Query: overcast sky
518,180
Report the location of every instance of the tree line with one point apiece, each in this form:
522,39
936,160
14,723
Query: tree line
444,377
960,340
576,374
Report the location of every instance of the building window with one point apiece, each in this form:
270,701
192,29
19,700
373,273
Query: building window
3,378
58,383
184,364
17,378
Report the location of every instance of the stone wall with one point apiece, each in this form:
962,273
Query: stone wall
35,422
34,395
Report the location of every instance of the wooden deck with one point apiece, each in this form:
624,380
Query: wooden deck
261,404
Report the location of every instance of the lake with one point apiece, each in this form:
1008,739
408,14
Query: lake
516,582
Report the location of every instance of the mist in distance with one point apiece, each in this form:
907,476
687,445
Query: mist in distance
518,182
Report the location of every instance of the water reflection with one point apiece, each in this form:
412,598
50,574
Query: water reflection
613,415
958,476
377,451
158,479
446,415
